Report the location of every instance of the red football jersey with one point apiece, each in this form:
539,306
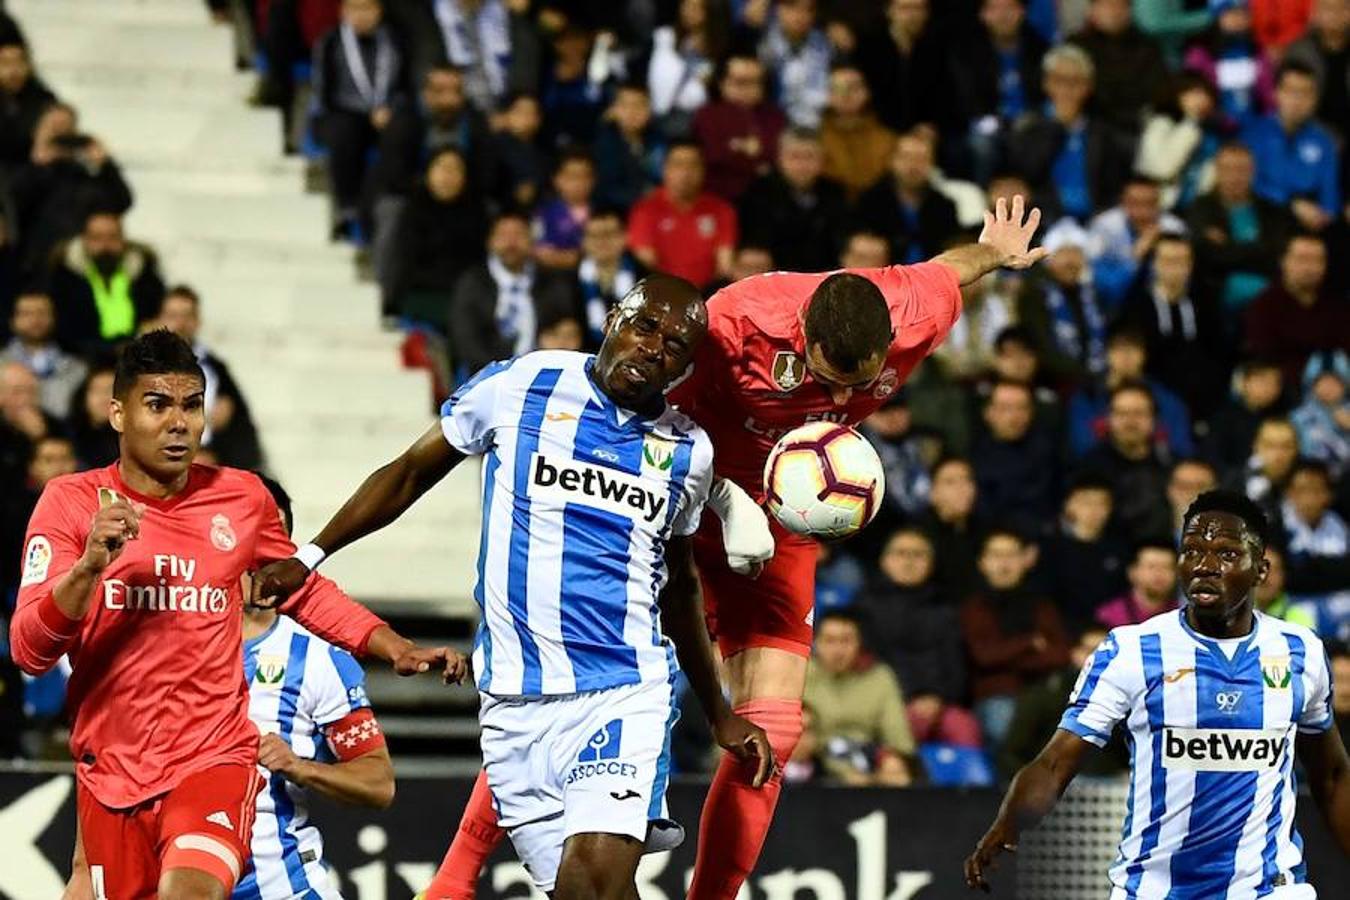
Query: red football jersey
750,385
157,690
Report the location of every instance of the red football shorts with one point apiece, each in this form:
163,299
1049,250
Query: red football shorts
204,823
773,610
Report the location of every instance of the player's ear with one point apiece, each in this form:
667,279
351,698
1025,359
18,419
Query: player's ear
116,415
1262,569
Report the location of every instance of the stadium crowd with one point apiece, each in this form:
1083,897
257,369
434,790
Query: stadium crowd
511,168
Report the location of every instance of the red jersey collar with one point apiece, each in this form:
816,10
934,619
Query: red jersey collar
195,475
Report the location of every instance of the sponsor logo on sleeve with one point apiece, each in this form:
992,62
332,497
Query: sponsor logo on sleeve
37,559
1224,749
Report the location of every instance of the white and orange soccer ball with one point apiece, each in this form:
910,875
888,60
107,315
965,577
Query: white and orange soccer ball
823,480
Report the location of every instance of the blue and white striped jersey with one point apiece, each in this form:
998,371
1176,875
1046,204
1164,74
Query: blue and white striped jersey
579,498
298,685
1211,727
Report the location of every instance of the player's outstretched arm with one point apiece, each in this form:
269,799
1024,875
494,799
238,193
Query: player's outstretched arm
1005,242
682,619
746,537
366,780
384,496
1328,768
1033,793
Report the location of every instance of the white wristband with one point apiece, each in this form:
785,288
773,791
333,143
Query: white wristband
310,554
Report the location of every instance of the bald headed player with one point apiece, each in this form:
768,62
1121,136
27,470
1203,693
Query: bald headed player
593,487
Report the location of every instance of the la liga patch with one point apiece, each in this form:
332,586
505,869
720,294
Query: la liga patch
37,559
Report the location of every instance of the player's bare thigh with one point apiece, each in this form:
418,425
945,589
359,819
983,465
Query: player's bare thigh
189,884
765,673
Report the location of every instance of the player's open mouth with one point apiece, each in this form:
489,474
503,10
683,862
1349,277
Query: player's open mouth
176,450
635,372
1205,592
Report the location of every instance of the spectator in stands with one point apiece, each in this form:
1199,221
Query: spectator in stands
1190,478
522,166
1133,461
680,228
49,457
1296,157
912,625
739,131
986,311
906,67
1059,307
1238,235
1081,560
628,150
1126,361
919,219
1015,461
561,334
560,220
103,284
858,147
858,708
1124,236
798,54
1325,49
681,62
998,79
1074,162
441,233
607,272
497,307
1153,585
443,119
865,250
795,212
951,524
1228,57
1129,64
1039,708
1179,141
21,408
1272,599
1260,391
33,324
907,455
1277,23
496,47
1290,321
571,99
68,175
1316,533
96,442
1016,359
1266,474
1323,419
23,97
1013,636
1187,348
230,433
360,78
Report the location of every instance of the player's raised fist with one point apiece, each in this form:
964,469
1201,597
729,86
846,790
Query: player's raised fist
276,581
113,525
1009,231
453,665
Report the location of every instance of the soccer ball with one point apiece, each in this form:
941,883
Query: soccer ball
823,480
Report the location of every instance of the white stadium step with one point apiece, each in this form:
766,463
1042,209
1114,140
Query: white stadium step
228,214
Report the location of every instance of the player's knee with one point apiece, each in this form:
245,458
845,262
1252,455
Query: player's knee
190,884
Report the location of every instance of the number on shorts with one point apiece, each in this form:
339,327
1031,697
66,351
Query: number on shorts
96,877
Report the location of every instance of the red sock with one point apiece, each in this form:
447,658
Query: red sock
478,836
736,816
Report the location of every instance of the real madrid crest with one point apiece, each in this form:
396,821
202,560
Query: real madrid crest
788,370
222,535
886,384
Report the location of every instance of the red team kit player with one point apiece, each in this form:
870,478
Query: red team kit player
782,349
133,571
